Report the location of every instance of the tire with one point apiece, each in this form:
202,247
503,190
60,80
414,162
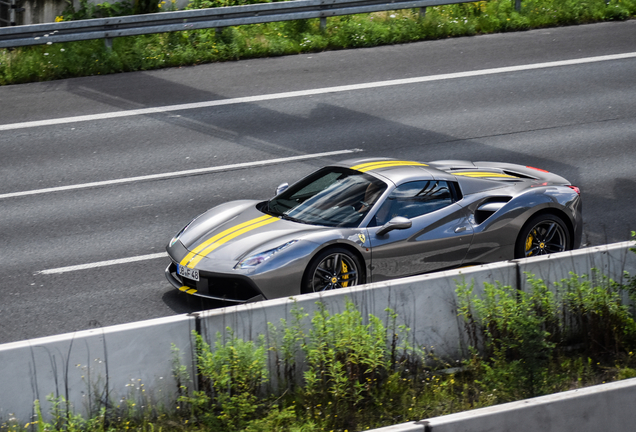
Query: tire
541,235
325,271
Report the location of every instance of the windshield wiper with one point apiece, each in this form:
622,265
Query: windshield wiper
293,219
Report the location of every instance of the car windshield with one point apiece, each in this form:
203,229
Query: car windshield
332,196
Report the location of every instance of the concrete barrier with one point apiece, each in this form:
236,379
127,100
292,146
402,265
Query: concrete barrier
610,260
93,367
426,304
111,363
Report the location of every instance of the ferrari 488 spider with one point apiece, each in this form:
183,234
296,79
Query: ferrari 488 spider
369,220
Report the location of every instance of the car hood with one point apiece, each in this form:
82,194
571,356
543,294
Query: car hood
232,230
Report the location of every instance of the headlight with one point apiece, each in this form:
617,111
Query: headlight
254,260
175,238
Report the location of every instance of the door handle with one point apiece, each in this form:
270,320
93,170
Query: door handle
460,229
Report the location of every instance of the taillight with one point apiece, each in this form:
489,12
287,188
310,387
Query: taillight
538,169
575,189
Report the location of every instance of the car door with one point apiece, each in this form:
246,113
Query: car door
439,237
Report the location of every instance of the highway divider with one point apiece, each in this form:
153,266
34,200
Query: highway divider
93,368
103,366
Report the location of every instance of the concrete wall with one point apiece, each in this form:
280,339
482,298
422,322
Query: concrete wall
40,11
426,304
110,363
113,362
610,260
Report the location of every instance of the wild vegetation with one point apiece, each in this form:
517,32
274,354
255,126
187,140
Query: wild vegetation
138,53
345,371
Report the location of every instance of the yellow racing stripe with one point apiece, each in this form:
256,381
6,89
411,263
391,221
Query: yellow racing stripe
227,231
210,243
384,164
194,261
482,174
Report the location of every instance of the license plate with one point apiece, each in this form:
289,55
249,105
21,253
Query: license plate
188,272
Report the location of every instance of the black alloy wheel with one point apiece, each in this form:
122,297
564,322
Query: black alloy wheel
331,269
542,235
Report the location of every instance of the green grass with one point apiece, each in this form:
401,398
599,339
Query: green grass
359,372
65,60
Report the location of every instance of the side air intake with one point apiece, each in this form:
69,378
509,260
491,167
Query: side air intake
490,207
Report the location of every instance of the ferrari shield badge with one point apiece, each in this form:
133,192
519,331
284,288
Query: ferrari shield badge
359,238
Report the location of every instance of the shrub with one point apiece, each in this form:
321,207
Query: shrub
232,376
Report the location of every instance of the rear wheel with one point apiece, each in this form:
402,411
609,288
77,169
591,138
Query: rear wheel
541,235
332,268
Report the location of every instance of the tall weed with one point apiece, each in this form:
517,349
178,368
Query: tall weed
233,375
530,343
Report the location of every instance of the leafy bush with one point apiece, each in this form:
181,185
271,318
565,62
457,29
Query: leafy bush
531,343
233,375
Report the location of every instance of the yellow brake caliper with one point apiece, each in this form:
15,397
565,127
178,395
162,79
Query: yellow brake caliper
529,243
344,270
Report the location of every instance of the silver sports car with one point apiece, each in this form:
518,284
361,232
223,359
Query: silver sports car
369,220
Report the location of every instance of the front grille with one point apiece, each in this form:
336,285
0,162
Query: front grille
231,288
221,287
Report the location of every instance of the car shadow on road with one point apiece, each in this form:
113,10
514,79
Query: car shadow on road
182,303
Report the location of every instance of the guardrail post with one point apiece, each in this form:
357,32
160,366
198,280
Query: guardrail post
422,12
518,5
10,9
4,12
108,42
323,23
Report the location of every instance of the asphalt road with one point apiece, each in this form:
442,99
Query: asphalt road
576,119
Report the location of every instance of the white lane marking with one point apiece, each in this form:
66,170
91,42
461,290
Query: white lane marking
311,92
179,173
103,263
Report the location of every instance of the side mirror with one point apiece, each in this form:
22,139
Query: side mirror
397,222
281,188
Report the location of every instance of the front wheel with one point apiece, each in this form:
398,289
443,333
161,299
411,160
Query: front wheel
332,268
543,234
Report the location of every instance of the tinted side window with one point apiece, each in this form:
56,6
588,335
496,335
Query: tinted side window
414,199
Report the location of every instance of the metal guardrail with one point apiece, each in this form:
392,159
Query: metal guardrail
108,28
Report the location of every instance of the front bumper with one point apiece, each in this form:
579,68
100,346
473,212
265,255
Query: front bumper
234,289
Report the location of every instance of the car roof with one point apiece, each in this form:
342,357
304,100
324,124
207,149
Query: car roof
396,171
